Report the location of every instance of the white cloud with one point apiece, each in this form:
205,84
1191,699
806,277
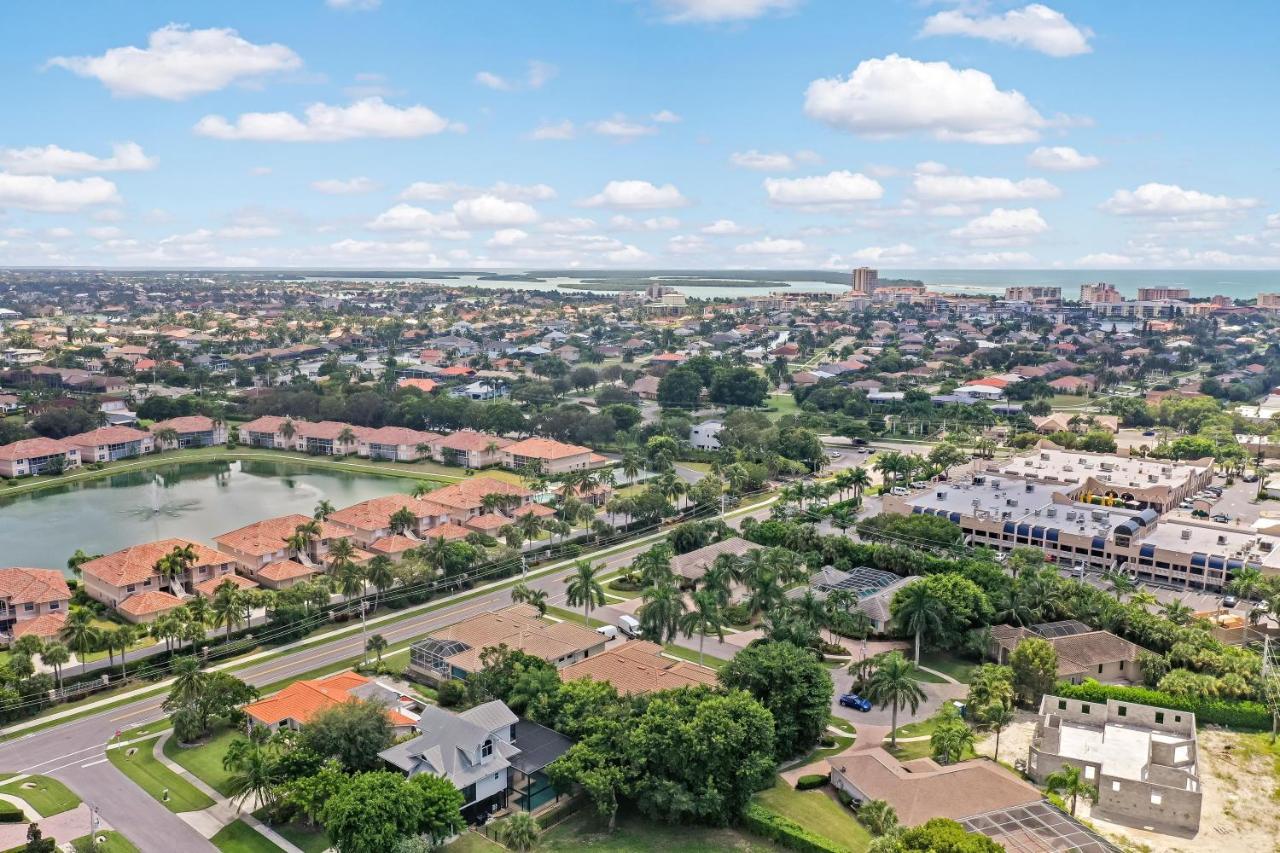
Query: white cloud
974,188
1061,158
259,171
53,160
572,225
553,130
665,117
1104,260
771,246
720,11
49,195
179,62
636,195
368,117
627,255
1154,199
104,232
882,254
990,259
687,244
379,249
931,167
620,127
352,186
507,237
1003,226
1035,26
762,161
492,81
536,76
723,227
897,95
353,5
834,188
430,191
653,223
490,211
406,217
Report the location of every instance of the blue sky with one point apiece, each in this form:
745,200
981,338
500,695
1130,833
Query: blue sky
640,133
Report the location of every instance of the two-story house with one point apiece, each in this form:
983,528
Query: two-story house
189,431
33,601
370,521
107,444
130,580
32,456
263,550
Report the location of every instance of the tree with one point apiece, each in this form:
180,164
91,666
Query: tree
353,733
705,618
680,389
403,520
323,510
878,817
660,613
1035,669
226,607
791,684
37,843
441,805
175,565
309,794
1070,782
372,812
584,589
941,835
56,655
80,634
252,768
916,611
520,831
376,644
893,685
997,717
738,386
379,573
950,737
522,593
197,696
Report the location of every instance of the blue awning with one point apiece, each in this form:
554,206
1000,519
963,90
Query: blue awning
1024,529
1147,551
1052,534
1037,533
1216,563
1198,559
955,517
1009,527
1235,564
1099,542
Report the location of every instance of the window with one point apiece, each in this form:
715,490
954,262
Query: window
1122,711
486,749
1090,773
1062,704
1156,799
1115,786
1084,709
1177,718
29,606
1159,718
1099,669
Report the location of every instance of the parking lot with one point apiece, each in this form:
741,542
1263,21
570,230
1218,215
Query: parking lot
1238,503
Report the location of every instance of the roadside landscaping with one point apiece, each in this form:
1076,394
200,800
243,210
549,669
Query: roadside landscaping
585,830
958,669
205,760
47,796
112,842
818,812
153,777
309,839
239,837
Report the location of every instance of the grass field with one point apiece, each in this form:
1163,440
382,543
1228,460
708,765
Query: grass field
585,831
920,749
474,842
782,404
239,837
205,761
113,842
154,778
306,838
47,796
960,670
818,812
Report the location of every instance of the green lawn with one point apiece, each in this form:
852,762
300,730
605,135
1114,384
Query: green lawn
113,842
926,677
306,838
154,778
920,727
920,749
960,670
205,761
818,812
47,796
782,404
474,842
692,655
239,837
586,831
843,742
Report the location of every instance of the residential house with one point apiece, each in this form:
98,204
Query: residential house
107,444
693,565
265,543
549,457
703,436
189,431
465,501
297,704
129,581
639,666
33,601
398,444
469,449
1082,653
32,456
370,521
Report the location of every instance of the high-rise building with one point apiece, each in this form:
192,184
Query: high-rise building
1100,292
1269,301
865,280
1150,294
1033,293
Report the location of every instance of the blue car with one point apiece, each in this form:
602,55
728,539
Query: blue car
854,701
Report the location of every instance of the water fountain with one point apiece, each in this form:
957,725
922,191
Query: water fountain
158,507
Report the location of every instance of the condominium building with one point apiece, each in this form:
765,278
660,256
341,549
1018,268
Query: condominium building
864,281
188,431
1156,293
32,456
1269,301
369,521
547,456
1036,294
111,443
130,580
33,601
1100,292
264,543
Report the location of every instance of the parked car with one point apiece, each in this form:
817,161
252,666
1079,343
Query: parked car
1230,601
833,454
1149,433
1222,518
609,632
629,625
899,491
854,701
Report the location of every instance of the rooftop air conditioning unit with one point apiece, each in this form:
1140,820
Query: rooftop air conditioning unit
942,495
1071,515
1044,456
1031,487
1052,512
1036,513
1006,514
1151,478
1166,470
1068,469
1222,540
1099,515
1186,534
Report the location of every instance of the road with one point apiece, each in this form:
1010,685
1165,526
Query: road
74,752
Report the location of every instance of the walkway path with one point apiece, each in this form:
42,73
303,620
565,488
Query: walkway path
62,827
209,821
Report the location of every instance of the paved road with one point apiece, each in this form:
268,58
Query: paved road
74,752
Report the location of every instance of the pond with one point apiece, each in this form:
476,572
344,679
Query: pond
193,500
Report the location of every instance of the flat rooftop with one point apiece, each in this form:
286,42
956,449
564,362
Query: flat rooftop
1120,750
1026,501
1216,540
1073,466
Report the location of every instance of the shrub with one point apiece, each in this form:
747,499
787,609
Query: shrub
786,832
811,781
9,813
1223,712
450,693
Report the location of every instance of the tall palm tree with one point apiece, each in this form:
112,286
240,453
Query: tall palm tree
1121,584
525,594
718,578
323,510
584,588
78,559
660,614
919,613
422,487
376,644
341,550
1069,782
226,607
55,654
80,634
998,717
379,573
172,567
123,637
346,436
631,466
349,577
529,526
893,685
705,618
1245,582
859,480
288,430
403,520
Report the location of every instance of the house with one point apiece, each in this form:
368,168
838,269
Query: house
258,545
397,444
116,579
455,652
703,436
426,386
469,449
369,521
295,705
189,431
638,666
493,757
107,444
873,588
1071,385
1082,652
327,438
466,500
547,456
1143,760
32,456
693,565
265,432
33,601
646,387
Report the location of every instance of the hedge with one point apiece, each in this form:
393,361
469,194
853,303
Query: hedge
786,832
811,781
1243,714
9,813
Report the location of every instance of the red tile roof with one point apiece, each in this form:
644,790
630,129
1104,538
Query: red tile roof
136,564
29,448
302,700
108,435
188,423
283,570
146,603
210,587
375,513
46,626
469,494
269,535
544,448
33,586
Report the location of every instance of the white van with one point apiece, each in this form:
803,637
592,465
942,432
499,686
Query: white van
609,632
629,625
899,491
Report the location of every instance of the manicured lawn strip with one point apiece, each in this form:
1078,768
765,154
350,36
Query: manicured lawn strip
113,842
920,727
205,761
574,616
960,670
692,655
308,839
154,778
818,812
239,837
471,842
48,797
586,831
843,742
920,749
926,677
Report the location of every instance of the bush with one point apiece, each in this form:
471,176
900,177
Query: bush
811,781
786,832
1222,712
9,813
450,693
737,614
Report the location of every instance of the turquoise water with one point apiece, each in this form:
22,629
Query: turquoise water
193,500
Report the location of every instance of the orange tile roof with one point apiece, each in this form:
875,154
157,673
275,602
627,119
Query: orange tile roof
539,510
326,430
520,627
399,435
145,603
469,494
449,531
302,700
393,544
136,564
108,435
375,513
489,521
283,570
465,439
639,666
29,448
268,535
210,587
188,423
426,386
33,586
266,423
45,626
544,448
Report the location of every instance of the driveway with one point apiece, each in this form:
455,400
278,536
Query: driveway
935,696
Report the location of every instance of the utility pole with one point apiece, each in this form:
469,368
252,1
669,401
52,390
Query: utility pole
364,642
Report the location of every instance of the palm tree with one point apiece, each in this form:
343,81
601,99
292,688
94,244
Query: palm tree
1245,582
893,685
349,577
631,467
919,613
998,717
705,618
324,509
379,573
288,430
718,578
341,550
78,559
226,607
522,593
1121,584
1178,612
1070,783
529,526
878,817
80,634
376,644
173,566
55,654
422,487
584,589
520,831
661,612
253,773
403,520
346,436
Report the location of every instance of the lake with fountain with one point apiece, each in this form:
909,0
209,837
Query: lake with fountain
194,500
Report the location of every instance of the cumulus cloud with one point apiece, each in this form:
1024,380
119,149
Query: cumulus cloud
490,211
1104,260
720,11
990,259
507,237
351,186
762,161
553,130
885,254
636,195
666,117
1061,158
1003,226
725,227
368,117
897,95
53,160
47,194
1155,199
653,223
353,5
622,128
179,62
432,191
537,75
687,244
1035,26
771,246
408,217
832,189
975,188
